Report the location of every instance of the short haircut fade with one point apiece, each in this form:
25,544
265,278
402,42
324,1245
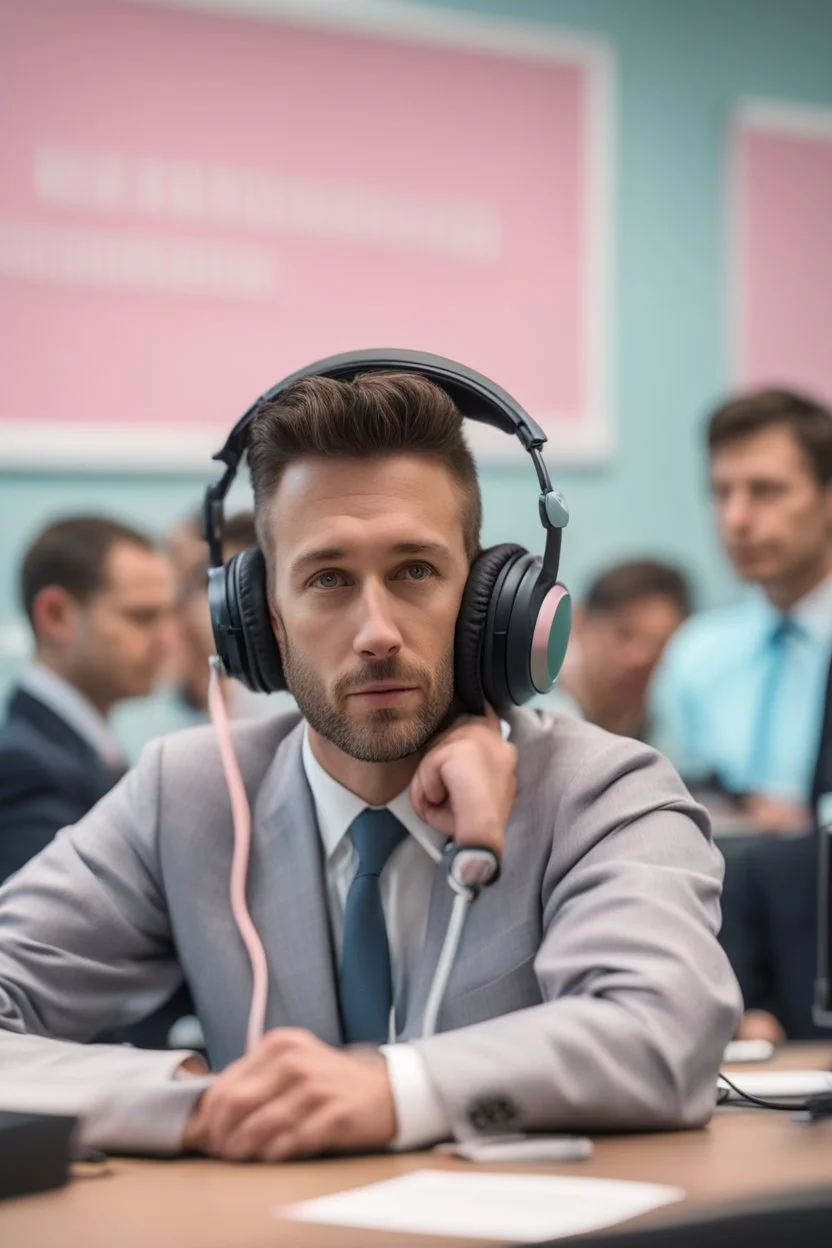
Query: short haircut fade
809,423
72,554
625,583
375,415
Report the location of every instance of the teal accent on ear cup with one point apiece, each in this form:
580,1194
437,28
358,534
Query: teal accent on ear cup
550,638
559,635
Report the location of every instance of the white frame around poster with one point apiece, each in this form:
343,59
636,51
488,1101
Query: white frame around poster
589,439
773,117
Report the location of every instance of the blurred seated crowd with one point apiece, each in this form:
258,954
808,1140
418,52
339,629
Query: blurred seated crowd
739,697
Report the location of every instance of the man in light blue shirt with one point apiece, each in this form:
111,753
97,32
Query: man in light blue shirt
740,693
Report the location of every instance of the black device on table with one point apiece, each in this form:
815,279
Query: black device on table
35,1152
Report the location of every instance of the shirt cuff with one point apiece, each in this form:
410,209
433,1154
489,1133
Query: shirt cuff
149,1118
421,1116
127,1100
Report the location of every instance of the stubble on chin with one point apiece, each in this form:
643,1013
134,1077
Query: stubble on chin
381,734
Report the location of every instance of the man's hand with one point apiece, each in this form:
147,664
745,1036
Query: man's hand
760,1025
774,814
294,1096
465,785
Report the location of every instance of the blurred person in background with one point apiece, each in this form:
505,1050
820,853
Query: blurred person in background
629,614
194,636
740,694
99,599
186,545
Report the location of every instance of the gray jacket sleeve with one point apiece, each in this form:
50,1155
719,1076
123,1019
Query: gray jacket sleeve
102,956
639,998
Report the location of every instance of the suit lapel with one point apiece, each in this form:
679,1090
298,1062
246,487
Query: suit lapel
439,914
288,898
92,772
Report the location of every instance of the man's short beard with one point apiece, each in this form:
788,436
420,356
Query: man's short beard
387,734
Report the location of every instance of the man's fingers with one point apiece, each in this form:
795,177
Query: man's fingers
294,1096
249,1138
417,794
479,819
238,1093
319,1131
434,788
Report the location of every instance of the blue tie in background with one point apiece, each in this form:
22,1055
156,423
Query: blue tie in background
365,984
766,726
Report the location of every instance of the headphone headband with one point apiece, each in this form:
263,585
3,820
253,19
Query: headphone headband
513,623
476,396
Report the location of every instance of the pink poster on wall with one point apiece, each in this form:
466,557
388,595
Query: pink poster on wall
783,248
195,203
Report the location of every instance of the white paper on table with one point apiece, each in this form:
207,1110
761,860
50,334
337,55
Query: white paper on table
519,1207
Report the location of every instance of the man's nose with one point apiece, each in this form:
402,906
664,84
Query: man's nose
736,511
377,635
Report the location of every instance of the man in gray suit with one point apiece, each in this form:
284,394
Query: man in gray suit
589,990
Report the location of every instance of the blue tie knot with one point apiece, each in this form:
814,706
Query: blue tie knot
784,629
375,834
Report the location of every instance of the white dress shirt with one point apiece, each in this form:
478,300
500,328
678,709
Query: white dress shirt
405,884
76,710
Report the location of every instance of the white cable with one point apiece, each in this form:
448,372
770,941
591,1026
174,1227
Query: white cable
462,904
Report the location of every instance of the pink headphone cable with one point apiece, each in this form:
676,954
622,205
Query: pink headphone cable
241,819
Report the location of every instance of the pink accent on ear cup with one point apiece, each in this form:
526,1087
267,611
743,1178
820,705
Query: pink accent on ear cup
550,637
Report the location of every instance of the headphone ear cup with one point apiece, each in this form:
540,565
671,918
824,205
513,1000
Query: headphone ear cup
529,631
550,639
469,639
261,668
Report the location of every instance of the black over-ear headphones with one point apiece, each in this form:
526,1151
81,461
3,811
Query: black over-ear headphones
514,620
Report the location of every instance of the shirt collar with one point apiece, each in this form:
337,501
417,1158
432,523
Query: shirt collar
75,709
336,807
814,610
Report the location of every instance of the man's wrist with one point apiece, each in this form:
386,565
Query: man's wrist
372,1056
192,1067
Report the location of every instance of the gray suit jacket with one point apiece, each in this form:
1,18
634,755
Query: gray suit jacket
589,991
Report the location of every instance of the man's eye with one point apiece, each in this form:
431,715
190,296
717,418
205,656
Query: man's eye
418,571
328,580
768,490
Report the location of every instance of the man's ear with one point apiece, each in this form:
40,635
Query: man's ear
278,627
55,615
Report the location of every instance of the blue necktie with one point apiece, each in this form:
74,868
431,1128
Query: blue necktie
766,726
365,984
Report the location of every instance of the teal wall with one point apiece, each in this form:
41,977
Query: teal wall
682,66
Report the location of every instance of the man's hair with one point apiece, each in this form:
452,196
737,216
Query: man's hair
809,423
373,416
630,582
72,553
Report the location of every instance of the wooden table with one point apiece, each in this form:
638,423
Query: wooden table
207,1204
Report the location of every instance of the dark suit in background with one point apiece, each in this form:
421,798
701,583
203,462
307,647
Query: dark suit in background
49,778
770,934
823,772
